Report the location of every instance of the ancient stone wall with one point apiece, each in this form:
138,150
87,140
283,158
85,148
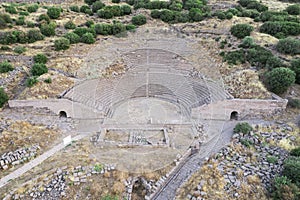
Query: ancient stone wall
245,108
72,109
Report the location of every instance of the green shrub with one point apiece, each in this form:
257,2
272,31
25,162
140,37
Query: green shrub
11,10
5,67
48,29
295,66
20,21
167,15
103,29
40,58
296,151
189,4
279,79
88,38
176,6
195,14
3,97
90,2
34,35
61,44
283,188
294,103
81,31
38,69
139,20
155,14
86,9
258,56
30,24
272,159
280,29
72,37
242,127
8,38
241,30
6,17
74,8
105,14
70,25
247,42
48,80
118,28
31,81
291,169
274,62
130,27
293,9
5,48
44,17
89,23
235,57
288,46
23,13
125,10
19,49
32,8
97,6
246,142
53,12
115,1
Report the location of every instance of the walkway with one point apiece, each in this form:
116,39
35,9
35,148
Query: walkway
194,163
33,163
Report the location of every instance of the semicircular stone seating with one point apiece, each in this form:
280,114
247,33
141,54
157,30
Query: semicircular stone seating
153,73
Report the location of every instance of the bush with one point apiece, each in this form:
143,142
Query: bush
117,28
274,62
32,8
296,151
241,30
258,56
23,13
86,9
19,49
288,46
48,80
72,37
4,19
81,31
61,44
139,20
125,10
8,38
167,15
280,29
283,188
38,69
103,29
294,103
195,14
89,23
247,42
242,127
5,67
53,12
235,57
97,6
70,25
48,29
11,10
105,14
40,58
88,38
90,2
115,1
295,66
20,21
293,9
31,81
74,8
44,17
30,24
155,14
34,35
130,27
3,97
291,169
279,79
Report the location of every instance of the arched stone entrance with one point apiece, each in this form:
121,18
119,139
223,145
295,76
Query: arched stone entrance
63,114
234,115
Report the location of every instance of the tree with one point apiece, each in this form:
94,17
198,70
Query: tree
53,12
139,20
39,69
40,58
295,66
279,79
241,30
61,44
288,46
3,97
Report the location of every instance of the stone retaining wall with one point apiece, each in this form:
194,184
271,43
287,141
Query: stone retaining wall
245,108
